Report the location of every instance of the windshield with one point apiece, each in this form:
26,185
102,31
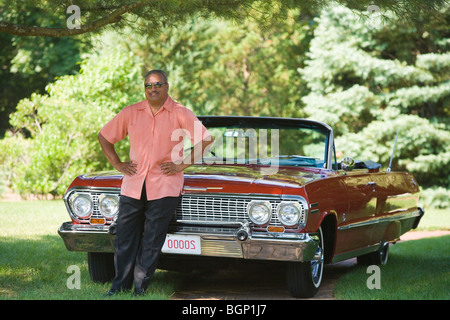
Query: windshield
267,145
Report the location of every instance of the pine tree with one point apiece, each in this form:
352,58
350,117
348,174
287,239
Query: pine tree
370,82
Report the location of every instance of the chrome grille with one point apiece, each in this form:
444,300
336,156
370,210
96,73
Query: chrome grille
95,210
217,208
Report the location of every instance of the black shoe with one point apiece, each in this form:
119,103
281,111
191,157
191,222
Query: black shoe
111,292
139,292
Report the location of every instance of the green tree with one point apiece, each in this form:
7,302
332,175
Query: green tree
214,67
28,64
218,67
63,124
368,83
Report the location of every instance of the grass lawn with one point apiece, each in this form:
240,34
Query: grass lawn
416,269
434,219
34,262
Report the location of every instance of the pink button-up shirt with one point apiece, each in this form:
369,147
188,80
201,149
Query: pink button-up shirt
153,141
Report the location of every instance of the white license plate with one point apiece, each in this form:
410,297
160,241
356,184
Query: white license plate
184,244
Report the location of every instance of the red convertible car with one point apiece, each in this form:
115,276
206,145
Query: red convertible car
270,189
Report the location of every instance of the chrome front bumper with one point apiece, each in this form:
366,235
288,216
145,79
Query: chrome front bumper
259,246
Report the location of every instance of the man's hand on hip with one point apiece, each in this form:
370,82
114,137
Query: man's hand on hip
169,168
129,168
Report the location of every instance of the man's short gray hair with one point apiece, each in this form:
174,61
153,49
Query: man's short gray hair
156,71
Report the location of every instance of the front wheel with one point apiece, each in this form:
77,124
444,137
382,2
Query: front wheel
304,278
101,266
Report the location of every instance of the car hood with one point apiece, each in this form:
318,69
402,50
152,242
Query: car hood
247,179
223,179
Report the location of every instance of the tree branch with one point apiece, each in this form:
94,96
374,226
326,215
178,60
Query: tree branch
230,7
111,18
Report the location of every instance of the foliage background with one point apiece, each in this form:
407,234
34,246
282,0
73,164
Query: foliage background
365,79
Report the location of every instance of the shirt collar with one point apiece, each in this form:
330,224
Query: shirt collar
168,104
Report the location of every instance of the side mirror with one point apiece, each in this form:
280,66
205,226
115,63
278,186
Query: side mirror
347,164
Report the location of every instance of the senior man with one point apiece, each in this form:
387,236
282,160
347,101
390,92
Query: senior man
153,179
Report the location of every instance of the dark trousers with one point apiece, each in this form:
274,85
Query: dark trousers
140,234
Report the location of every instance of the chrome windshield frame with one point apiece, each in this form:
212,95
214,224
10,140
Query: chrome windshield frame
275,123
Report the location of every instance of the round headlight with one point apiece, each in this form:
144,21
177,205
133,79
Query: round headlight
81,204
259,212
289,213
108,205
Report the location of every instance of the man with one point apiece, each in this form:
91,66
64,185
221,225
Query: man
152,181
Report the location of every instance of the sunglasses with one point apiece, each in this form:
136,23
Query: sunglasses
156,84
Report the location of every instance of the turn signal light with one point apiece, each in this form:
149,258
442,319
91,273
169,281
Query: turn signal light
275,229
97,221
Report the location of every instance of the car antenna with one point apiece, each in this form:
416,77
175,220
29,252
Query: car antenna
392,155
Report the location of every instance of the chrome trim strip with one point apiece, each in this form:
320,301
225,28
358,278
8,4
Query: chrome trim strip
355,253
329,153
240,195
94,189
189,188
228,235
397,217
291,197
212,223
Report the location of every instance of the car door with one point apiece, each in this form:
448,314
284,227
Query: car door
356,225
396,208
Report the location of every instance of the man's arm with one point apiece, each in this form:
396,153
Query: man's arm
169,168
128,168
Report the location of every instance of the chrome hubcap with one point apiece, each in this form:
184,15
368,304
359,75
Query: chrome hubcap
317,263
